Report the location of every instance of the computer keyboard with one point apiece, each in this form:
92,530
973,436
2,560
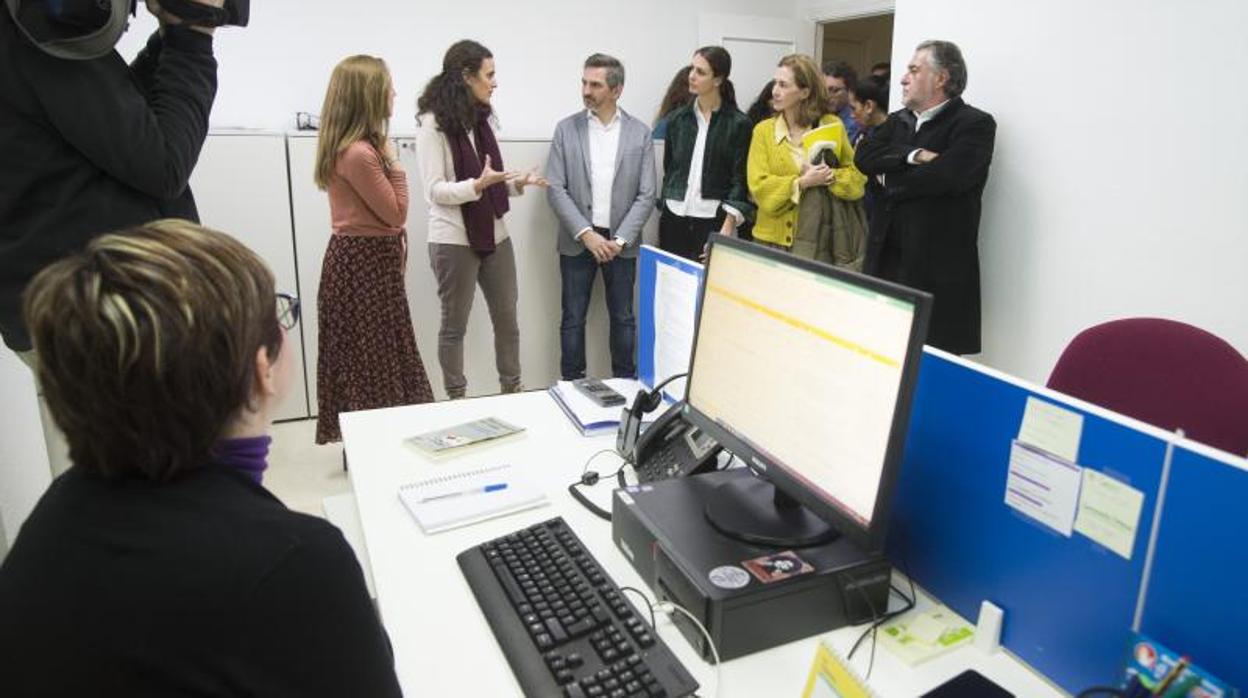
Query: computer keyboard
563,624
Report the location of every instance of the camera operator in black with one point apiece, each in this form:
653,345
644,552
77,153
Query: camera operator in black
90,144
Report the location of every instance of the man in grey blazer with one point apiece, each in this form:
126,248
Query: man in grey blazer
602,189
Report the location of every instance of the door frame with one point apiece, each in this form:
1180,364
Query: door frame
839,10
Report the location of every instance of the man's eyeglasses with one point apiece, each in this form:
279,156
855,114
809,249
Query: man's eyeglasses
287,310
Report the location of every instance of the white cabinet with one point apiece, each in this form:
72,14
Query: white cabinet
240,186
310,216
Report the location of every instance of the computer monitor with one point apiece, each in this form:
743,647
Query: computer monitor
805,372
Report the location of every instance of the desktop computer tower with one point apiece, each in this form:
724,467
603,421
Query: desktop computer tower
749,597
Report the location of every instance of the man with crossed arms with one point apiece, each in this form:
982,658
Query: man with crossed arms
602,189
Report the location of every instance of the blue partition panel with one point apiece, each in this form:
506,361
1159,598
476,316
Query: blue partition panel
1069,603
1200,565
648,261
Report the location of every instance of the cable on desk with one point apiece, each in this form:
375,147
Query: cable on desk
649,605
871,629
668,607
585,468
589,478
882,619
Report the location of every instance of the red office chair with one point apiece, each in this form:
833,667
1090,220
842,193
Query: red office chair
1163,372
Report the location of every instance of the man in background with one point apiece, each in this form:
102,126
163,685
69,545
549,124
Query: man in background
89,144
840,77
932,159
602,189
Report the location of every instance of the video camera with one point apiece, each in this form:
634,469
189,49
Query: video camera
85,29
235,12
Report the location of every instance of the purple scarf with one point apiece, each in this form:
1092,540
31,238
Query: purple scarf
479,215
247,455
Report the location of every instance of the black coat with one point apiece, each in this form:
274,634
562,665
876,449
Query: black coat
91,146
925,230
203,586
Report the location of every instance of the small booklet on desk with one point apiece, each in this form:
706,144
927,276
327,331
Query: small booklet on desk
455,440
586,415
467,497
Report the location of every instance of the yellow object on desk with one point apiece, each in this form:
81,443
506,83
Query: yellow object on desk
831,677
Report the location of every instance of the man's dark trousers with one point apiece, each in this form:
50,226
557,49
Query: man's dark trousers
618,275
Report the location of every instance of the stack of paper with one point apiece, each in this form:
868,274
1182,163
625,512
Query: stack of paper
586,415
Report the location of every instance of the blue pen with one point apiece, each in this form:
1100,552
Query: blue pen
475,490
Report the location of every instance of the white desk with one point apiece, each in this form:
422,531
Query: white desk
443,645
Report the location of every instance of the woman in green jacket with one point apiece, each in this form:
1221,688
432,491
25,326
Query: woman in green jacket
801,172
704,156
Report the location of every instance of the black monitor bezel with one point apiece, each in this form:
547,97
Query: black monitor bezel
870,538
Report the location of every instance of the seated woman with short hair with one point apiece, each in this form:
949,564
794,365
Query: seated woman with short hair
159,564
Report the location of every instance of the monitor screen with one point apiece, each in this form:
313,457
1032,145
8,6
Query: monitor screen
805,371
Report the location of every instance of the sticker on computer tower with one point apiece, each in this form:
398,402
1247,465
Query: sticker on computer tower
773,568
728,577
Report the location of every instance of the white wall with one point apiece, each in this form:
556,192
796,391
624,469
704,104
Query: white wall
24,472
1119,186
281,63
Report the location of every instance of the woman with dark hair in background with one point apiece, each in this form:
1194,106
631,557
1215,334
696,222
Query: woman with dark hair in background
677,95
158,564
761,108
708,140
466,187
869,101
367,356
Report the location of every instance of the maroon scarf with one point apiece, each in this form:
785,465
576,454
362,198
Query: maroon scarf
479,215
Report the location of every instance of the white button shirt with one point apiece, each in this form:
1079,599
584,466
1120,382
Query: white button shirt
604,144
920,118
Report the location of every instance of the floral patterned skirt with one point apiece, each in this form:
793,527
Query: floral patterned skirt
367,347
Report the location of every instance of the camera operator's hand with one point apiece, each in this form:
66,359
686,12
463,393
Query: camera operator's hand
169,19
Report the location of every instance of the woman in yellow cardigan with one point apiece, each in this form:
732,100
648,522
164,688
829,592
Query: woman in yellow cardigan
812,210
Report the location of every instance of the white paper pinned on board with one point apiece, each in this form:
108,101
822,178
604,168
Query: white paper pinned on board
1043,487
1051,428
1109,512
675,313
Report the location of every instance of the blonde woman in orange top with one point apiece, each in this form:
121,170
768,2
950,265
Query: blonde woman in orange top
367,346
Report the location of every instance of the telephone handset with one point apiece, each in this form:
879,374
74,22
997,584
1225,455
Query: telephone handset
672,447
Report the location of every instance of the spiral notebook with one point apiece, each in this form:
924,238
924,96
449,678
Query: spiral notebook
463,498
832,677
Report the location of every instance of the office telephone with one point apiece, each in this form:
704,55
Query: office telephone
672,447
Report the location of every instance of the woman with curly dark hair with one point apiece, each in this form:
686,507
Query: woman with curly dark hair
466,187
